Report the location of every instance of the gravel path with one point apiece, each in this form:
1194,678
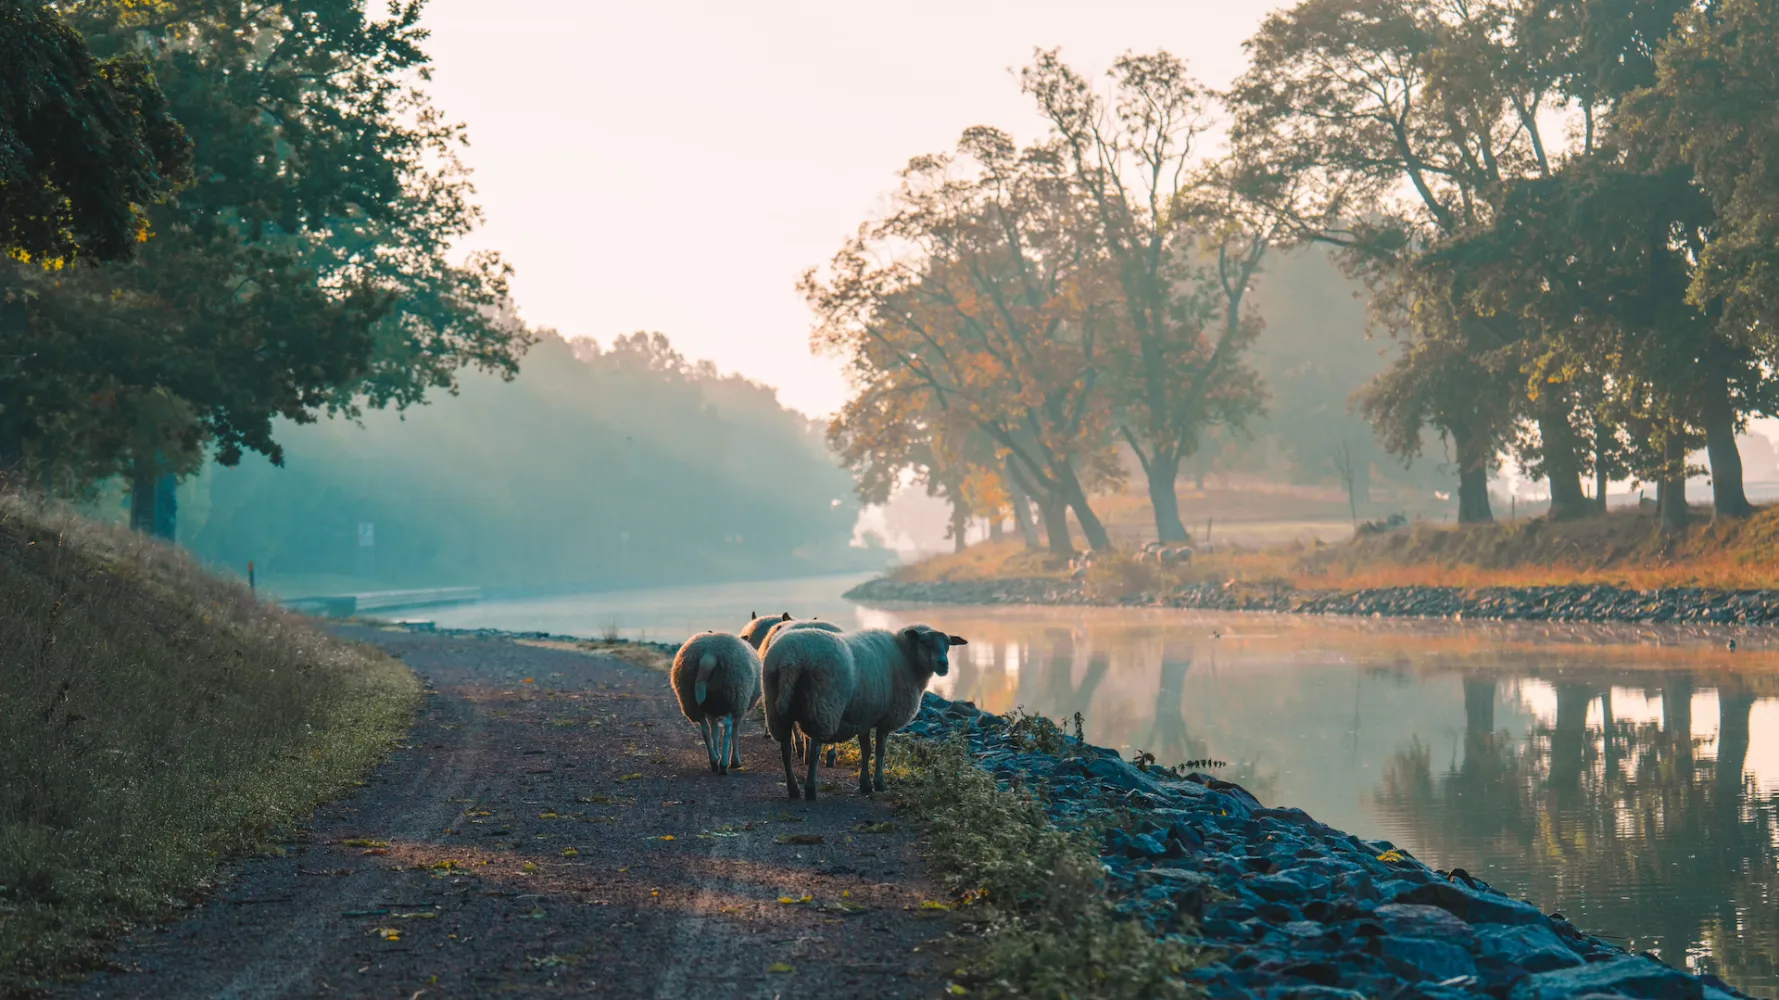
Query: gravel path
553,828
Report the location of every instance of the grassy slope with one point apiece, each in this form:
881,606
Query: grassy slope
1624,549
155,721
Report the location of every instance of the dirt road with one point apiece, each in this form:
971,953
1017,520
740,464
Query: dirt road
553,829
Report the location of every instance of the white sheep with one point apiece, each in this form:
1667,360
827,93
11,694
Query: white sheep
799,741
856,684
717,679
754,632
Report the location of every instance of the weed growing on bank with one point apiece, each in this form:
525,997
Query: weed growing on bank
155,721
1034,893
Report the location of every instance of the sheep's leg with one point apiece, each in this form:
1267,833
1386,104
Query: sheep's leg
809,783
865,762
709,753
725,731
790,776
882,745
734,743
833,755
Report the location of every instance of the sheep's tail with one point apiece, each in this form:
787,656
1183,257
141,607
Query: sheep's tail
707,664
789,673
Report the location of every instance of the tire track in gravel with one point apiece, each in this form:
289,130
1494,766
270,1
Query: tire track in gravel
552,828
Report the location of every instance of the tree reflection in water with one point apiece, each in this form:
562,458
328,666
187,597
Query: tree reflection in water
1625,811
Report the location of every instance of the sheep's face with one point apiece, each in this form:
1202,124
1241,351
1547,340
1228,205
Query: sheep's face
930,648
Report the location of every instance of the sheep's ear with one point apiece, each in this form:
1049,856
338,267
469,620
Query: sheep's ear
957,640
785,617
911,634
751,615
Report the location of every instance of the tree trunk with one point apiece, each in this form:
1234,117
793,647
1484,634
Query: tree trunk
1600,483
1670,493
1677,722
960,525
1076,497
1164,473
154,502
1562,463
1727,496
1056,526
1022,516
1472,452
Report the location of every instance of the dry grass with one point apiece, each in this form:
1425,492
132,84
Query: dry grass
1624,549
155,722
617,649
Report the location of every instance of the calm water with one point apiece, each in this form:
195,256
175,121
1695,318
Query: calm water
1628,777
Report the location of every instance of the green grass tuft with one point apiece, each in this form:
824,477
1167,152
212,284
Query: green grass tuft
155,722
1035,892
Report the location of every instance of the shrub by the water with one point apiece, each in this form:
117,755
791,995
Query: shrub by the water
155,721
1036,892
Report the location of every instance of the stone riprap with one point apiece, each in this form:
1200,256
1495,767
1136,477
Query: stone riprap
1287,907
1572,603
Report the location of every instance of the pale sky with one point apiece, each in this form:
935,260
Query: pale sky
676,165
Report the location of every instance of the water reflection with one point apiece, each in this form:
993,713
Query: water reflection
1629,778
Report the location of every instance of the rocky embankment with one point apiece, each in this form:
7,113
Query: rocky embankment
1588,603
1287,907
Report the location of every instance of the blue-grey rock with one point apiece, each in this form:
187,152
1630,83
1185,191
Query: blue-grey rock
1278,888
1532,947
1430,922
1472,906
1636,977
1435,960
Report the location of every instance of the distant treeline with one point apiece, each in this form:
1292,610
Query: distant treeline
624,465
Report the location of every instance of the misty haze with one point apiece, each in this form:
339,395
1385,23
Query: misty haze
999,499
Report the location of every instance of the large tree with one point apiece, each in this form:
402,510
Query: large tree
306,269
1182,266
978,299
1386,127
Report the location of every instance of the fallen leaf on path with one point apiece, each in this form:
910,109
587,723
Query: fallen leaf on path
569,852
885,827
793,900
799,838
390,933
666,836
375,851
1392,856
933,904
637,776
530,867
779,967
417,915
359,842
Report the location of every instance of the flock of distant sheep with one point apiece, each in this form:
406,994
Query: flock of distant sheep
822,685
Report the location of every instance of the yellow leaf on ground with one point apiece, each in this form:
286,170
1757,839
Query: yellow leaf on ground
1392,856
530,866
570,852
933,904
637,776
793,900
778,967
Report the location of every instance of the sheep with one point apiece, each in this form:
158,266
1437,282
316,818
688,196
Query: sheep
717,679
846,685
799,740
809,679
756,628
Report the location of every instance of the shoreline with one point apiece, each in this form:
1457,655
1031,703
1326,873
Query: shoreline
1564,603
1285,906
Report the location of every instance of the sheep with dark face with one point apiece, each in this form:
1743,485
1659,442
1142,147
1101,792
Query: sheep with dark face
716,677
839,686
